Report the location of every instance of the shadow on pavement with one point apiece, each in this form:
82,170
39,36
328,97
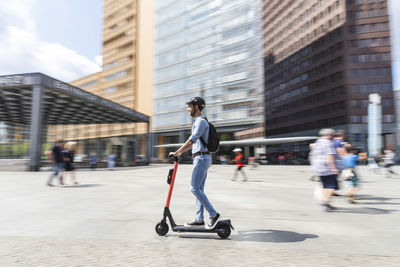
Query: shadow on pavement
374,200
199,236
364,210
82,185
275,236
249,181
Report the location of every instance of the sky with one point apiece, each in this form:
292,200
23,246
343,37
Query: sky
60,38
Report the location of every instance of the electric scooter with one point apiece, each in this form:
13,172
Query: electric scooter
223,227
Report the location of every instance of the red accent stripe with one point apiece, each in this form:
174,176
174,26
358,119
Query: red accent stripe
171,186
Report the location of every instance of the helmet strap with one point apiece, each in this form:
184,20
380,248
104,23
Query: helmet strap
193,110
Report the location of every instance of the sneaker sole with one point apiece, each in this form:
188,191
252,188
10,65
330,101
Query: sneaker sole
215,224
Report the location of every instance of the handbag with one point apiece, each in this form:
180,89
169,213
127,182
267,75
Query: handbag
347,174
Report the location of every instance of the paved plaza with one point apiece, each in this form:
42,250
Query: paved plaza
109,218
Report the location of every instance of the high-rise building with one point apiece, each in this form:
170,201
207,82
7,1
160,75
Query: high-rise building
208,48
126,77
322,60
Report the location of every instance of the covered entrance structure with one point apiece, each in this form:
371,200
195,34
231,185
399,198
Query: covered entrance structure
38,100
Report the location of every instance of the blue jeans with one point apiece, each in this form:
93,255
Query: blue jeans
199,175
57,169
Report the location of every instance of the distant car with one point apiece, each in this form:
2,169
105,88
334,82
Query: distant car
80,157
155,160
262,161
141,160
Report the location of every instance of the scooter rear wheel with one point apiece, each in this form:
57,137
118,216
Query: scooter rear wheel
162,228
226,231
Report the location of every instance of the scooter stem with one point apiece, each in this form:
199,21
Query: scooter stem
171,186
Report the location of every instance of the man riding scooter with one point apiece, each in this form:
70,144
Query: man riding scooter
201,162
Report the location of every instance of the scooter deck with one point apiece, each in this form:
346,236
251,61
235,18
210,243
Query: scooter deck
183,228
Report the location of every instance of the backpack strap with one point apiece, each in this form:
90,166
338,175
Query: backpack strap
201,137
203,142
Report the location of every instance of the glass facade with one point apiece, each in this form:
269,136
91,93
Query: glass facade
14,140
208,48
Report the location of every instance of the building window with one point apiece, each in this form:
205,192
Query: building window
88,84
116,75
388,118
364,119
354,88
363,73
355,119
111,89
371,13
388,103
356,137
387,87
355,103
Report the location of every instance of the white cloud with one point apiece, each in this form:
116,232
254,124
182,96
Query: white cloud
17,13
22,51
98,60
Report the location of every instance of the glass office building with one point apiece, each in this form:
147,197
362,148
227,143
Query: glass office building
213,49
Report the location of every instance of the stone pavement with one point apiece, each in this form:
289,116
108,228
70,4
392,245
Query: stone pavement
109,219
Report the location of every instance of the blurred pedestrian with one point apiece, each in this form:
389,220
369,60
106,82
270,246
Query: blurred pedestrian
239,163
350,161
339,145
111,162
93,162
57,159
252,162
324,165
374,163
313,177
68,155
281,159
222,159
388,159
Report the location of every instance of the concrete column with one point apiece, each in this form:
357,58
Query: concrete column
182,137
98,149
35,145
374,125
246,152
153,143
149,143
124,153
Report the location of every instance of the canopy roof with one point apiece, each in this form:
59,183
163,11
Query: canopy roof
62,103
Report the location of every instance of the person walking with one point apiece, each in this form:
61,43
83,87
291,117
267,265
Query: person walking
68,155
111,162
324,165
93,162
388,159
58,162
339,145
201,163
239,164
252,162
350,161
313,177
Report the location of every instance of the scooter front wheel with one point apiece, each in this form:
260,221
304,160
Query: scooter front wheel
162,228
225,231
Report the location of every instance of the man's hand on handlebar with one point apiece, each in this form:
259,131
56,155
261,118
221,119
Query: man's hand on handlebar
174,154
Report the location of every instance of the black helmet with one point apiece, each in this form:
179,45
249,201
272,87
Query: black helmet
197,101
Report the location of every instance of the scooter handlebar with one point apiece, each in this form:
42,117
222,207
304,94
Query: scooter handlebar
176,159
